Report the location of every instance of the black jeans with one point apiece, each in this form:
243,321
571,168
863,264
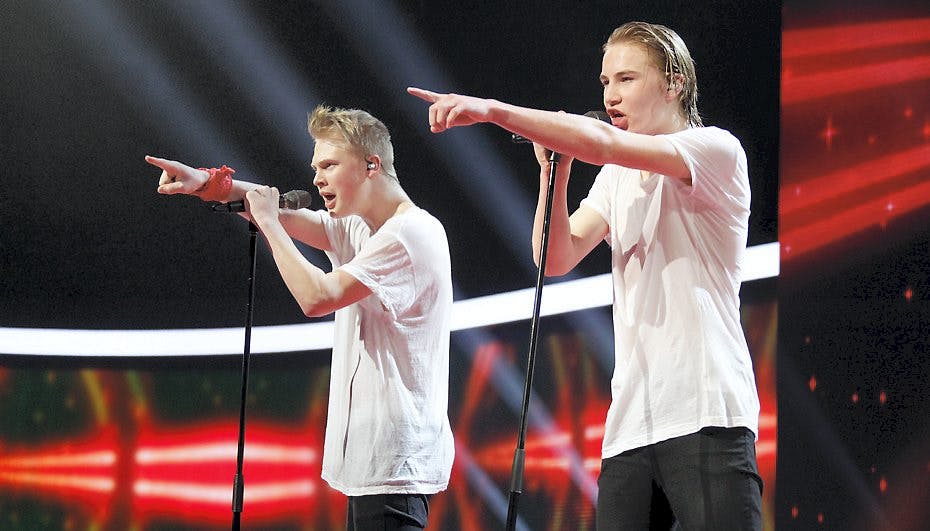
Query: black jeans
708,480
388,512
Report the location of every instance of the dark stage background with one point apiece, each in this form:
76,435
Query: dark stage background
90,87
853,365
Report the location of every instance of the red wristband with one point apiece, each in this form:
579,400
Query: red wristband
218,185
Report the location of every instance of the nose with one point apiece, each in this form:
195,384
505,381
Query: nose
611,95
317,180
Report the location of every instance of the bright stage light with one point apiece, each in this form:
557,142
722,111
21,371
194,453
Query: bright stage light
558,298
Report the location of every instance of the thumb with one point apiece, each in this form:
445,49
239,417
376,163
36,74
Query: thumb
176,187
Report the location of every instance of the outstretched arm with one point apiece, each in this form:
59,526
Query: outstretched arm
179,178
591,141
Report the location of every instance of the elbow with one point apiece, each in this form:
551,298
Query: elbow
554,266
315,307
556,270
313,311
316,311
316,298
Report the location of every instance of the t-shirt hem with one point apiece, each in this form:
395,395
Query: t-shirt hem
678,431
386,489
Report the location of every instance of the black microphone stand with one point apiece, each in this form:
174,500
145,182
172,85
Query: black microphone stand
239,483
519,456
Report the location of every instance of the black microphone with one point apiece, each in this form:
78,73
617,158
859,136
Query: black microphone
597,115
293,200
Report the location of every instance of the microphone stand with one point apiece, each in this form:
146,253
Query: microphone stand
519,457
238,483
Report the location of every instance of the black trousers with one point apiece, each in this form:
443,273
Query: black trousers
708,480
388,512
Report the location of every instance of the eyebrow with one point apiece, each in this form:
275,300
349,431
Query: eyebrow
314,164
627,73
621,73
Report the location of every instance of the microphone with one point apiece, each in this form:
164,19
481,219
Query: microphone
293,200
597,115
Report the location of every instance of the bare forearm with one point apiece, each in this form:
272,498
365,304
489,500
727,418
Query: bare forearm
305,281
589,140
577,136
306,226
560,237
303,225
239,189
573,135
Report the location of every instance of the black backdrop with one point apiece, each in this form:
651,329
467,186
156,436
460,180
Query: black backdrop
92,87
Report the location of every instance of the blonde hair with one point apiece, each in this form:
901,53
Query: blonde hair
670,55
362,133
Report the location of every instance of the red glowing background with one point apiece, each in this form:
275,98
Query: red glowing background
853,213
132,459
855,140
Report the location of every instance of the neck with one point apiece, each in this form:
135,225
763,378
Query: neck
389,202
681,121
675,124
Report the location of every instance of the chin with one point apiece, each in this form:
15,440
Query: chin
338,213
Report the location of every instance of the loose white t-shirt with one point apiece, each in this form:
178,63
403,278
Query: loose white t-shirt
682,362
387,428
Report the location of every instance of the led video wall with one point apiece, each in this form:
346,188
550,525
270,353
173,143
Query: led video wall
151,444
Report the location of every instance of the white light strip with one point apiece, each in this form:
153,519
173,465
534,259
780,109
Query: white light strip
87,483
200,453
219,494
102,458
762,261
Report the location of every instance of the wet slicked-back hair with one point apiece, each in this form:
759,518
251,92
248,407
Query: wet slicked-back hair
359,130
669,54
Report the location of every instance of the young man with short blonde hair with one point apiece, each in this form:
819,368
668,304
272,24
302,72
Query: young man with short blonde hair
388,444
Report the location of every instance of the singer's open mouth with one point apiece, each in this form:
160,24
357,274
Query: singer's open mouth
617,118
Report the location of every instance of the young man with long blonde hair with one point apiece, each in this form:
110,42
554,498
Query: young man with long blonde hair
672,200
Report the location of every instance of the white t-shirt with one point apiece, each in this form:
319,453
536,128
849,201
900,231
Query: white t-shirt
681,357
387,428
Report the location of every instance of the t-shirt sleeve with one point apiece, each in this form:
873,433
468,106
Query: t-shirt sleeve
338,233
384,266
719,175
599,196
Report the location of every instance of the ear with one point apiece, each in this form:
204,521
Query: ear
676,85
374,162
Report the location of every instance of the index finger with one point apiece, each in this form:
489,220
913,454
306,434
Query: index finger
423,94
164,164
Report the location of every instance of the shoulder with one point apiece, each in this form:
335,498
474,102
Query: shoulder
612,180
350,223
707,138
415,223
705,146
